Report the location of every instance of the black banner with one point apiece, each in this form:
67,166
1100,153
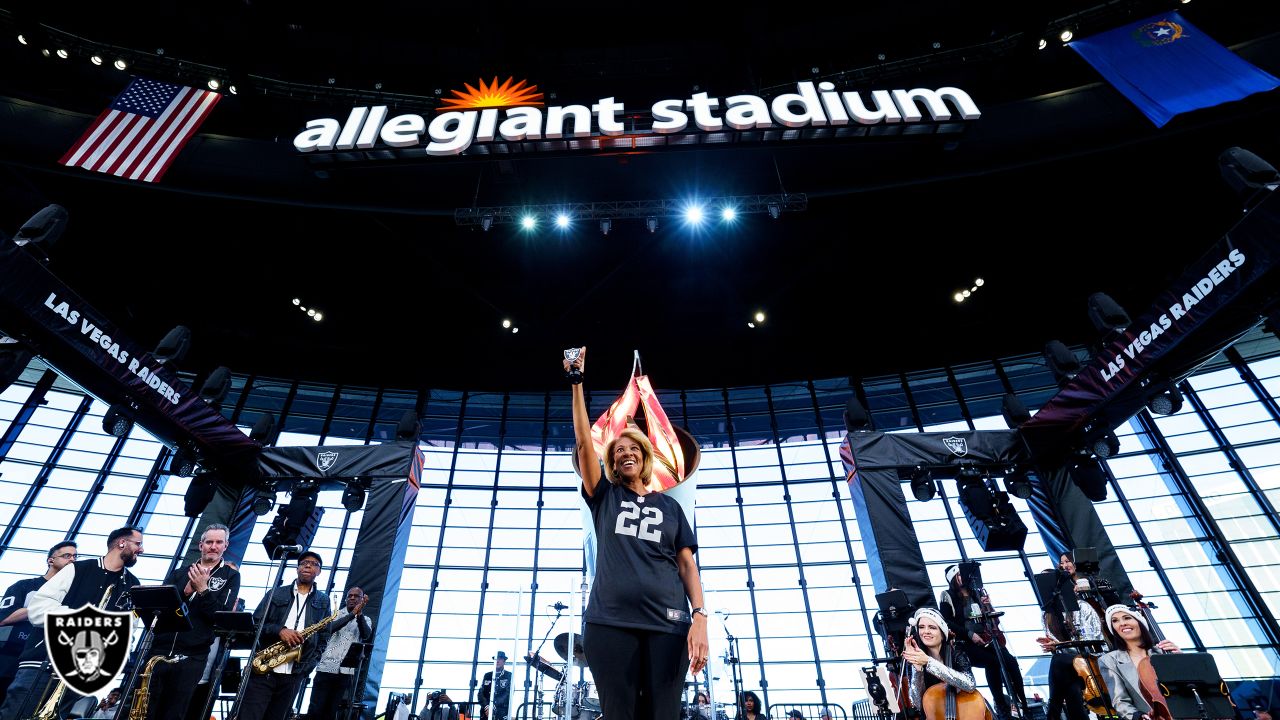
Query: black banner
337,462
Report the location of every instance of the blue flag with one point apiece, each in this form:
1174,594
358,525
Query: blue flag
1166,66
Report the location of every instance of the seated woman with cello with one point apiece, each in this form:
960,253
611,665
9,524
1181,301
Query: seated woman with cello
942,683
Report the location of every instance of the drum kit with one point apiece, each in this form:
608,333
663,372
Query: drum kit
579,699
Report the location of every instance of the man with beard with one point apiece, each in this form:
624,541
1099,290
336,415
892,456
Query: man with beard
207,586
79,583
14,627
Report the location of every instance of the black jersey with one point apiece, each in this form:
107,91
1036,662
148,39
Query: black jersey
637,581
15,598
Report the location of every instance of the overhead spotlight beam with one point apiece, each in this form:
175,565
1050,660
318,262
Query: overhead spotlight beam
642,210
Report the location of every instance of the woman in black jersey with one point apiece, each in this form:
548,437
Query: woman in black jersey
641,635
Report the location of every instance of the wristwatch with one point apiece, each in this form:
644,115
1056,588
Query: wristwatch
700,611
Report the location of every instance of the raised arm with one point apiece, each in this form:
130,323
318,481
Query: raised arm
588,461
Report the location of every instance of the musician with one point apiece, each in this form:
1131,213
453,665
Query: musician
749,707
700,708
641,634
207,586
78,583
955,603
14,627
1066,685
285,612
332,687
107,708
935,658
1135,690
502,698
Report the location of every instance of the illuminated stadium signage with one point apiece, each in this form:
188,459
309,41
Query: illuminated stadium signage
514,112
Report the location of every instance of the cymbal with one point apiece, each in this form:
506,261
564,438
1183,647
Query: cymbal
561,644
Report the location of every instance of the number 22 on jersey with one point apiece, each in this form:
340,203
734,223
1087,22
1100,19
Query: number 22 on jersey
646,529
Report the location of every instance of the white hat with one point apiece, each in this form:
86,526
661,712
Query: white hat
1113,609
951,572
933,615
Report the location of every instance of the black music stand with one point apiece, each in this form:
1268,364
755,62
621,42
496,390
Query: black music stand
1192,686
235,631
357,655
160,608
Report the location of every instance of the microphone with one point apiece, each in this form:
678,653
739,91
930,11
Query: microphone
283,549
559,606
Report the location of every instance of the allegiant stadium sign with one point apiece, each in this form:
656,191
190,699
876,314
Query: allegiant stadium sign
452,131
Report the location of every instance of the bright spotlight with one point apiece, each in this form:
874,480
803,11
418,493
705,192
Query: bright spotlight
214,84
95,59
120,64
232,89
22,39
311,312
959,297
515,330
506,324
728,214
1066,35
979,282
751,325
693,214
759,316
1043,43
528,222
296,301
62,53
562,221
966,293
318,317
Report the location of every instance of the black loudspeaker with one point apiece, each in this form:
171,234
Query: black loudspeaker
1106,314
1089,476
995,523
292,527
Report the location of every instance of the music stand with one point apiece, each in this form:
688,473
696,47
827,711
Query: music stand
160,608
356,656
1192,686
235,631
1056,591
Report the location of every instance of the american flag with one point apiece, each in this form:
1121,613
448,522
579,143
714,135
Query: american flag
138,136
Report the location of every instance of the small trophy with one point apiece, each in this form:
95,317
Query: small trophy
573,374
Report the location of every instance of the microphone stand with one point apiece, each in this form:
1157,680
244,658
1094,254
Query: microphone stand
731,657
257,636
987,622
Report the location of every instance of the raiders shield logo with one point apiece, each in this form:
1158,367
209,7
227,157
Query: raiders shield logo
957,446
216,583
87,647
325,460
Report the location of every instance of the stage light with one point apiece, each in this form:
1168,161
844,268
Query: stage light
183,462
120,64
1168,402
959,297
1248,175
528,222
297,301
728,214
1066,35
1014,412
353,498
1018,485
605,226
62,53
1106,314
311,312
1061,361
318,317
265,500
1106,446
115,422
562,221
759,316
922,485
44,228
506,324
22,38
774,210
515,330
409,428
214,84
232,89
979,282
693,214
45,52
173,347
264,430
966,293
751,325
95,59
974,493
855,415
214,389
486,222
1043,43
651,224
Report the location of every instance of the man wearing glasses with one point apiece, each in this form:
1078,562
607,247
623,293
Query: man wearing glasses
78,583
14,626
285,612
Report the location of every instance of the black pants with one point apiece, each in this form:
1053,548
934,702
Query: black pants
269,696
1066,688
172,685
29,688
639,673
329,695
989,658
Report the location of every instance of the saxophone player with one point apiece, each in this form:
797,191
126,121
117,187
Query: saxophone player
82,582
207,586
285,612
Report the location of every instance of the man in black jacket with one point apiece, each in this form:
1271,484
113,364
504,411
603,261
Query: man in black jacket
207,586
15,629
79,583
286,611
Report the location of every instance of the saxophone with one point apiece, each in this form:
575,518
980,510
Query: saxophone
49,710
280,653
141,696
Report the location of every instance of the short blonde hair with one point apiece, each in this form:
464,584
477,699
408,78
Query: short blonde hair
646,449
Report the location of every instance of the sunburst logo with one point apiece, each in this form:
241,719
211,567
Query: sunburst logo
493,95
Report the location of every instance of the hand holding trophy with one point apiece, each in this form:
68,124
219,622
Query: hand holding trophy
574,362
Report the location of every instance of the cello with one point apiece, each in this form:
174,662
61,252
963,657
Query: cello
970,705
